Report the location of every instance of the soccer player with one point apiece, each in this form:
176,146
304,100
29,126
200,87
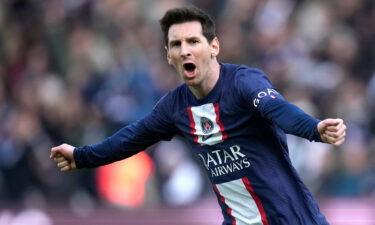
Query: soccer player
234,120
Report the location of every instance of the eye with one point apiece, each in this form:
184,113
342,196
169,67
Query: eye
194,41
175,44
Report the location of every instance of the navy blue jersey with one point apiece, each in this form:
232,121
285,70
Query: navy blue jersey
238,132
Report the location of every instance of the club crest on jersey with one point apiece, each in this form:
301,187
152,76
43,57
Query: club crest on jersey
207,125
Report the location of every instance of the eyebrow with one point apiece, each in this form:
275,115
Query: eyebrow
188,39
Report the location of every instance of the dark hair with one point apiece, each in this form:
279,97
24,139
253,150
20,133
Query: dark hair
188,14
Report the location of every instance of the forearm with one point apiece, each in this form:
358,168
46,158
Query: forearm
100,154
291,119
123,144
95,155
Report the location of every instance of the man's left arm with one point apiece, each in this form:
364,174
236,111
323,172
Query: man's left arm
257,93
294,120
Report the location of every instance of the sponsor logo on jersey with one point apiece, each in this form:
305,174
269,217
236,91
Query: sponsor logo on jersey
224,161
268,92
206,137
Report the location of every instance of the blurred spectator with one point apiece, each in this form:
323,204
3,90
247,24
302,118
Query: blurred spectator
181,180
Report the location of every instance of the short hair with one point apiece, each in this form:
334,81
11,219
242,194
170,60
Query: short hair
188,14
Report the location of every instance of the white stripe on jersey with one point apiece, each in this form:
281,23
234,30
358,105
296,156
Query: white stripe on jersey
238,198
207,111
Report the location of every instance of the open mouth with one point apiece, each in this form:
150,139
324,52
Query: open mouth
189,67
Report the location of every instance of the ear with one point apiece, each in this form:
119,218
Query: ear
215,47
168,55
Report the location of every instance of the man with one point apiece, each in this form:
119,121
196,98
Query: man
235,121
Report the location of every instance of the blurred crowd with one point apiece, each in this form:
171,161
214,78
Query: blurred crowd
76,71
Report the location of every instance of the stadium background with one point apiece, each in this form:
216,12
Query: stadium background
75,71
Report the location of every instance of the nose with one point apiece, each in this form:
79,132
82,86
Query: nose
185,50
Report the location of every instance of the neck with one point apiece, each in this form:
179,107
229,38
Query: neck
203,89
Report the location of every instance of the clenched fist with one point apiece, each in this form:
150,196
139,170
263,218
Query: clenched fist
63,156
332,131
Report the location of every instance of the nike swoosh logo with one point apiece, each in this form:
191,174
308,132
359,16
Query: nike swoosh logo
205,137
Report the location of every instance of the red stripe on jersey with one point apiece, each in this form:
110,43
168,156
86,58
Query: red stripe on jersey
229,210
192,124
218,121
256,199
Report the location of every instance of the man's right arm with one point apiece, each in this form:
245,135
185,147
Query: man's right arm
126,142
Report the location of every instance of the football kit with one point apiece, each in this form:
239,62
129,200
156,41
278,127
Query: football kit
238,132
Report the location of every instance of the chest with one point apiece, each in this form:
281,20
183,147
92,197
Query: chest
214,122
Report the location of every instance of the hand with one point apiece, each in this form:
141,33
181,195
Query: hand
332,131
63,156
